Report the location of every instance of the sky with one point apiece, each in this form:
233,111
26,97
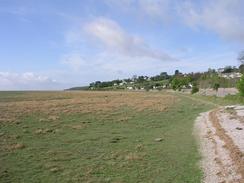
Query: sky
57,44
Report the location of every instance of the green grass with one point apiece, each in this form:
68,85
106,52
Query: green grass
104,147
227,100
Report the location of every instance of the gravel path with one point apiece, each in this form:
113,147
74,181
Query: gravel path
221,137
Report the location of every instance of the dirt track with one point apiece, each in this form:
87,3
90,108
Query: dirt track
221,135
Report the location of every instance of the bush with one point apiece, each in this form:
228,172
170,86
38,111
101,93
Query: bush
175,84
216,86
240,86
195,89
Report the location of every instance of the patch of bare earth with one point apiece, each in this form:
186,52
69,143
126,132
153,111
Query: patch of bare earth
221,135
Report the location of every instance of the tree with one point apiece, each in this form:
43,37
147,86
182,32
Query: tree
211,71
240,86
160,77
177,72
241,68
241,57
228,69
216,87
164,75
128,80
140,79
134,77
179,82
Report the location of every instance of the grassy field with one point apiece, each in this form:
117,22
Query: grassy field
98,137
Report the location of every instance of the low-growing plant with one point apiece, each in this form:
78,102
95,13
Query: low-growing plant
240,86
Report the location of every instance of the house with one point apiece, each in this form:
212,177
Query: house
231,75
220,70
123,83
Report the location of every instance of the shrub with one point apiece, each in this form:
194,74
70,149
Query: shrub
175,83
216,86
195,89
240,86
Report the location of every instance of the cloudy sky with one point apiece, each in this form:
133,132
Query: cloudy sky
55,44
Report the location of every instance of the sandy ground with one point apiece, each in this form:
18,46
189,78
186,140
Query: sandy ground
221,137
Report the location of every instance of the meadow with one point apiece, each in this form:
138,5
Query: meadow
99,137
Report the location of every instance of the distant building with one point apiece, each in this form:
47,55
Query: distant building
220,70
231,75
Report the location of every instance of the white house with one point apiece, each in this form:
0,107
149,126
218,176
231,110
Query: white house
231,75
220,70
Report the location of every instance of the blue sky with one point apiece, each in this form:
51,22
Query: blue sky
55,44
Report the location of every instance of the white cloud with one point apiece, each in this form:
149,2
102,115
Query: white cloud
107,51
73,60
26,81
154,9
117,40
159,9
224,17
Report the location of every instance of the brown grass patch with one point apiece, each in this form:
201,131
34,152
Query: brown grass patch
82,102
133,157
44,131
17,146
77,127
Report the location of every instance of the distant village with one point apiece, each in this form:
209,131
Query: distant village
223,77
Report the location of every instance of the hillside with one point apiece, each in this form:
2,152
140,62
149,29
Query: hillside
223,78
